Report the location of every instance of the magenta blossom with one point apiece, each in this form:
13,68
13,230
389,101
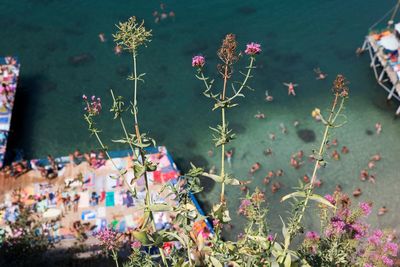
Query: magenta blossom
94,106
330,199
366,208
198,61
253,49
136,244
270,238
312,235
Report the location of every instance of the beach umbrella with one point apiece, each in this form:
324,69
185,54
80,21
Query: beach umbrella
51,213
390,42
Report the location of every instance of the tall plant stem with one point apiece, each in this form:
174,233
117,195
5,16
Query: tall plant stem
123,127
223,131
310,188
141,152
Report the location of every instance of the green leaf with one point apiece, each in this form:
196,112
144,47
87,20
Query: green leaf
142,236
138,170
314,197
288,260
215,262
160,207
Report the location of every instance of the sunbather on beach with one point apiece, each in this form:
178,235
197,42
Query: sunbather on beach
291,87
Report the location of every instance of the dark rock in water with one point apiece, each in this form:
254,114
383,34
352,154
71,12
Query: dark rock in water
369,132
195,47
306,135
48,86
123,70
190,143
72,31
246,10
237,128
81,59
163,68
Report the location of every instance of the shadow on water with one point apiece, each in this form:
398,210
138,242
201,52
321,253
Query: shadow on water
25,106
237,128
246,10
307,135
81,59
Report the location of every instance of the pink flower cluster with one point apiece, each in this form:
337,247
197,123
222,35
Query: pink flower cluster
252,49
94,106
108,238
330,199
244,205
380,249
198,61
312,236
365,208
136,244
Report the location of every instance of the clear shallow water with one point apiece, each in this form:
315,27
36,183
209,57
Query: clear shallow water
296,37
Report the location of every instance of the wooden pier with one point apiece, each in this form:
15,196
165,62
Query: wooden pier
386,75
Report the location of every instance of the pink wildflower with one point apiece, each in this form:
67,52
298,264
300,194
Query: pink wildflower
253,49
312,235
270,238
366,208
198,61
387,261
330,199
84,97
392,248
368,265
136,244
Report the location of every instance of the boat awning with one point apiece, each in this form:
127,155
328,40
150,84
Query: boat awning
390,42
397,27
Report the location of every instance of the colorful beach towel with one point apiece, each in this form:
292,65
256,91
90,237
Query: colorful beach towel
110,199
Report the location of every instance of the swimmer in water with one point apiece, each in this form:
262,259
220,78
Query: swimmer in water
283,128
345,150
228,155
117,50
376,157
291,87
320,74
268,97
259,115
102,37
272,136
255,167
363,175
357,192
296,123
268,152
382,211
378,128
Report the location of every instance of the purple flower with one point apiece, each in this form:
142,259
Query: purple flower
388,261
360,230
330,199
366,208
94,106
373,240
338,226
108,238
253,49
198,61
312,235
378,233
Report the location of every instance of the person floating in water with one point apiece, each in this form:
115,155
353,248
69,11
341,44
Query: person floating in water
283,128
259,115
228,155
320,74
102,37
382,211
291,87
357,192
255,167
268,97
345,150
378,128
117,50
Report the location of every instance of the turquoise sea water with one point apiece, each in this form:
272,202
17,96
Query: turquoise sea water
296,36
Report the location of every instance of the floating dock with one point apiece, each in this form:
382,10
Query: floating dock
9,72
383,49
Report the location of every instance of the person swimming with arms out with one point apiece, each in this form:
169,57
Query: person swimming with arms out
291,87
320,74
268,97
228,155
